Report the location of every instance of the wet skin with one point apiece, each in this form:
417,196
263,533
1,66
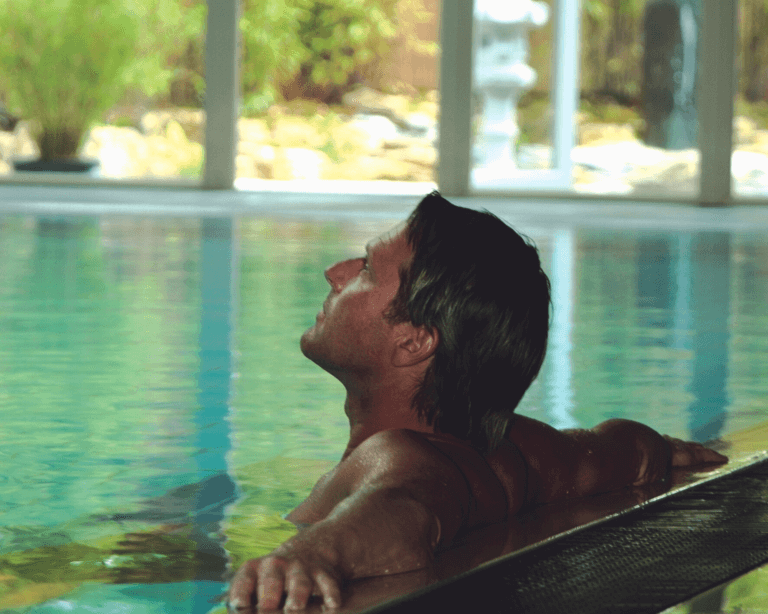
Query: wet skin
400,490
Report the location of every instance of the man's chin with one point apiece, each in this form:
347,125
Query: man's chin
312,349
307,343
306,340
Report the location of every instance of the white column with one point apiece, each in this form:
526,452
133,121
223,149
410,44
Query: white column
715,100
455,138
222,93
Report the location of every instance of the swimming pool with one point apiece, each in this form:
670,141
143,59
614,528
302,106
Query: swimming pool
155,402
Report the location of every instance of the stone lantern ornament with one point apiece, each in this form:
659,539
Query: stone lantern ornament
501,77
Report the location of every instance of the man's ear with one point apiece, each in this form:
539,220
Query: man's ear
414,344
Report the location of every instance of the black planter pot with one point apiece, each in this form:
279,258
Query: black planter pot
75,165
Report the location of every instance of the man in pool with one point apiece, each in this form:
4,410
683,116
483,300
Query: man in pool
436,333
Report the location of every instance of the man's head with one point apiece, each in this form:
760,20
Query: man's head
480,285
351,338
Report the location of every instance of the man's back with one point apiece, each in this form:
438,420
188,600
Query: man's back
537,464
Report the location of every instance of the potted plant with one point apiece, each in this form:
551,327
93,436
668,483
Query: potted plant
64,63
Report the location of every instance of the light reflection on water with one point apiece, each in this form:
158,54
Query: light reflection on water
141,356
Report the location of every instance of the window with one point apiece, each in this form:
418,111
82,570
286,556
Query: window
749,162
341,92
117,84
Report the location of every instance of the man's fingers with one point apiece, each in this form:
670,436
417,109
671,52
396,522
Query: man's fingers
329,589
689,453
298,586
243,586
262,583
271,583
707,455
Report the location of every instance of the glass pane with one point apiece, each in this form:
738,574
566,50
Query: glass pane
637,121
114,84
749,163
338,91
512,102
636,129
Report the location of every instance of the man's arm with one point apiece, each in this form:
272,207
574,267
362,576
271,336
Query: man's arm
391,502
613,455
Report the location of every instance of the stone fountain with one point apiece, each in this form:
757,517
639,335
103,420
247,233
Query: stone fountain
501,77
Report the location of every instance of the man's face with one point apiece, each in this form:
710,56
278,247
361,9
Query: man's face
351,334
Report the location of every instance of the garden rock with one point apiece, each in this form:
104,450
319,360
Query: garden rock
298,163
592,133
192,121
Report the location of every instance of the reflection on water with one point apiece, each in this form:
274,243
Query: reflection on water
683,293
156,404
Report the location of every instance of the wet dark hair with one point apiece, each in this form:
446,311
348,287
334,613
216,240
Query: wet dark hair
480,284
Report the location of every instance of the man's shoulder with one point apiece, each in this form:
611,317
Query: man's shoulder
389,457
395,448
495,482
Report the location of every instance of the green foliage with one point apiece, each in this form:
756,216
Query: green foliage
317,45
66,62
341,37
271,51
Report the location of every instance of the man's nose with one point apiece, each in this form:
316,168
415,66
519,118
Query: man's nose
340,273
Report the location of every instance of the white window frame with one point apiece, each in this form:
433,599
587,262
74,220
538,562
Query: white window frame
715,107
222,93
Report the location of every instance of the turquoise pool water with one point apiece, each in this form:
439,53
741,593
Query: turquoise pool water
153,390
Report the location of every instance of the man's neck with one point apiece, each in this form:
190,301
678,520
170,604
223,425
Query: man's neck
369,415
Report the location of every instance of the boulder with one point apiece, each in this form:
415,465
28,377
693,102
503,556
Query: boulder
296,132
350,138
122,152
749,165
595,182
418,154
7,146
367,100
17,144
374,168
256,162
744,131
594,133
758,142
192,121
299,163
250,131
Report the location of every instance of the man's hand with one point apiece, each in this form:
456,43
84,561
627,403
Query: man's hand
295,569
690,453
